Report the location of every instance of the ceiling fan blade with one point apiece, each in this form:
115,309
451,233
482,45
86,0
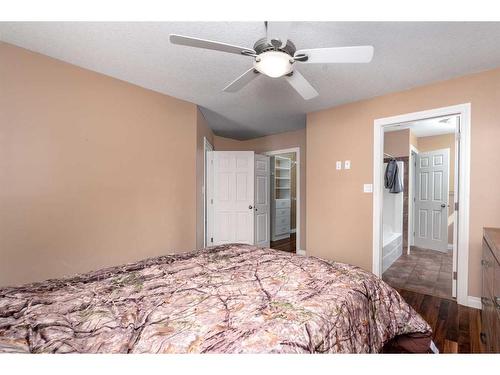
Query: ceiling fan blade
301,85
209,44
242,81
359,54
278,31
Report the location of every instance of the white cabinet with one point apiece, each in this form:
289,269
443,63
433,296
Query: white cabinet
281,197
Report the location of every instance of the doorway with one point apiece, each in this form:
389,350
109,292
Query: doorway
433,259
285,199
426,265
254,199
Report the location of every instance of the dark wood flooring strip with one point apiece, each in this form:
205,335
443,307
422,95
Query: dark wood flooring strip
456,329
286,244
452,322
441,324
463,330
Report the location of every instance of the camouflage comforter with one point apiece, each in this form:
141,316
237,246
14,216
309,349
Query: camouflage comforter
226,299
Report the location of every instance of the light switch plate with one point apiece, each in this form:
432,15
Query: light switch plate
347,164
368,188
339,165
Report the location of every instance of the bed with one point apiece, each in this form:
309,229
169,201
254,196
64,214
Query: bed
225,299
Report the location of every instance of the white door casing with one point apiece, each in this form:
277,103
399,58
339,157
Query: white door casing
431,205
207,147
232,197
462,191
456,188
262,201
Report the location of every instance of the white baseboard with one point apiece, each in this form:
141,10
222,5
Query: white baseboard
450,246
293,230
474,302
301,252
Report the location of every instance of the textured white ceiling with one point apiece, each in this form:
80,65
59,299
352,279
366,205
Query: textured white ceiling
406,55
429,127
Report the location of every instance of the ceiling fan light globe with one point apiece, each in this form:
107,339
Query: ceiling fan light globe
273,64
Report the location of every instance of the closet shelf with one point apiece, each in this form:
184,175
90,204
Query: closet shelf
281,169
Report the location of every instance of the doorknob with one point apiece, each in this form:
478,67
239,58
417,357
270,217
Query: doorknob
250,207
443,205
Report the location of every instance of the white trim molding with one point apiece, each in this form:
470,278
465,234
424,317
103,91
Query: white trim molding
301,252
411,181
474,302
297,184
207,146
464,112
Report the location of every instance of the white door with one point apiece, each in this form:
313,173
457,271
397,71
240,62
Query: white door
431,205
262,199
232,197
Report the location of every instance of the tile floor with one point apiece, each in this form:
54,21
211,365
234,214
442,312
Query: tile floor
423,271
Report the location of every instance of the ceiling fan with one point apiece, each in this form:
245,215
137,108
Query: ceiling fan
275,56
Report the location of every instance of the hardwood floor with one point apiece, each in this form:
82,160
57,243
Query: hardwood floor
456,329
287,244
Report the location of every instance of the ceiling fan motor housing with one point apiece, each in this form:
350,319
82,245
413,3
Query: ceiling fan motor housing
262,45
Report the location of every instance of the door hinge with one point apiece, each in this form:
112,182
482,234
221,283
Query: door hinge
455,275
211,239
456,206
211,201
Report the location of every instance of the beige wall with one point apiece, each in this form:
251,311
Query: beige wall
397,143
275,142
339,214
94,171
202,131
413,139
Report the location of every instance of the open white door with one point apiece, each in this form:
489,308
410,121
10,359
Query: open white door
262,199
431,205
454,210
232,197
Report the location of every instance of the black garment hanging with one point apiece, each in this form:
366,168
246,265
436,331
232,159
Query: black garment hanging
392,178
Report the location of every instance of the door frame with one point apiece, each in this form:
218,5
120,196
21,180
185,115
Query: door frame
463,178
411,196
207,146
268,175
298,250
